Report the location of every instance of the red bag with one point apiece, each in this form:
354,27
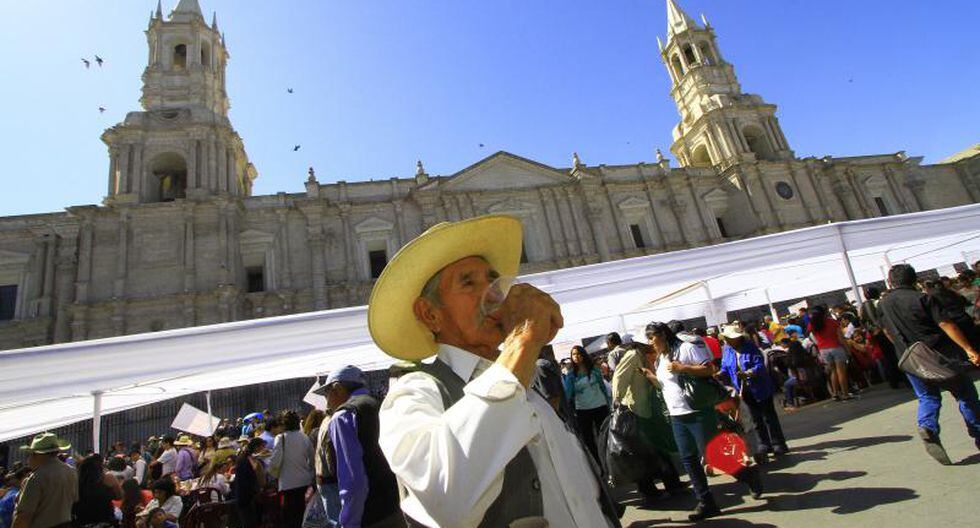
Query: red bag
726,452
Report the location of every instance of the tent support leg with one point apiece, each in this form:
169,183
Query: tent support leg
96,421
847,266
772,309
207,396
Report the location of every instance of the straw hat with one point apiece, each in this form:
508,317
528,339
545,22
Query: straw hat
184,440
731,332
391,318
46,444
226,443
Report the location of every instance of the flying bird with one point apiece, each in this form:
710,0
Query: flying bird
101,109
289,90
481,145
87,63
99,61
295,148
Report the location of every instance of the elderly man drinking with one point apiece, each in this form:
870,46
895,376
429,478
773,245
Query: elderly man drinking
469,444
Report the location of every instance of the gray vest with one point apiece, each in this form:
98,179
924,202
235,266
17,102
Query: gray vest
521,493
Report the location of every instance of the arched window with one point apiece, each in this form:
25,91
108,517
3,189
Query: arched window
180,57
675,62
700,157
206,55
706,55
169,171
758,143
689,55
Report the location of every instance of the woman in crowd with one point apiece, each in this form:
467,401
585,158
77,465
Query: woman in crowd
165,497
96,491
679,363
745,368
587,394
205,453
249,481
311,424
132,501
292,463
215,476
632,389
830,342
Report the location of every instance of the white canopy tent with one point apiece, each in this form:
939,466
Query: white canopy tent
46,387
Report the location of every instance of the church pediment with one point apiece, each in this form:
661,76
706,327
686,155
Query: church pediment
373,225
505,171
634,203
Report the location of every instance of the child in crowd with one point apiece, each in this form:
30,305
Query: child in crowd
158,519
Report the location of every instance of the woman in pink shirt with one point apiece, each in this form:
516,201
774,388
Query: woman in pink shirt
827,334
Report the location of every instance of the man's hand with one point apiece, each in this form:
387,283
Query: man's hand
974,356
531,319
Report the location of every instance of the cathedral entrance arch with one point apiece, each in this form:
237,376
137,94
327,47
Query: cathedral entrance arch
168,177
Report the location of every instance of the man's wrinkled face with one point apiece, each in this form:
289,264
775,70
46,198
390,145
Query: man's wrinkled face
457,319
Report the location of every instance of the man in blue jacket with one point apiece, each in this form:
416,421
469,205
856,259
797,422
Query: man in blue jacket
742,361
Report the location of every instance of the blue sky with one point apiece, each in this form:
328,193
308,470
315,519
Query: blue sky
378,84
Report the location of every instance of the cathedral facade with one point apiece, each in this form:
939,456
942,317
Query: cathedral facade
180,241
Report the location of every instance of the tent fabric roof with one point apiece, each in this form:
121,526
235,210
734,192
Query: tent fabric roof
49,386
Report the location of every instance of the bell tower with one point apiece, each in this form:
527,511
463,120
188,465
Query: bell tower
182,145
720,125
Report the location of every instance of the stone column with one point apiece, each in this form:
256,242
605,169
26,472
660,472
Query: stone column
223,242
285,255
400,237
699,209
819,191
192,181
212,178
188,260
119,286
915,188
230,172
126,183
349,254
113,177
64,289
599,233
557,250
625,241
677,210
317,246
84,261
661,238
46,293
136,172
580,233
222,169
564,220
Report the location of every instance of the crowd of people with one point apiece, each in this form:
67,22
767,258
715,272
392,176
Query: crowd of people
495,430
261,470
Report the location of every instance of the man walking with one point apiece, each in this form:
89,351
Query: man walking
468,442
910,316
46,497
367,488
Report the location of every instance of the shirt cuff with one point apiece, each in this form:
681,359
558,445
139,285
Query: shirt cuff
495,384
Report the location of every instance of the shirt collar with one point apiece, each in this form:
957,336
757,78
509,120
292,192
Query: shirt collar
360,391
464,364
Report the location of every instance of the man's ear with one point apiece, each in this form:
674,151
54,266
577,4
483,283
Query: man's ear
427,314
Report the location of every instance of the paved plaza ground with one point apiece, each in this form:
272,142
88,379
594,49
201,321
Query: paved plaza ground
857,463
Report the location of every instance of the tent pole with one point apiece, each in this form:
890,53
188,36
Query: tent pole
711,311
847,265
772,309
207,396
96,421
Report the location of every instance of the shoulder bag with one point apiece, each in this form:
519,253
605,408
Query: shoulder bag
926,363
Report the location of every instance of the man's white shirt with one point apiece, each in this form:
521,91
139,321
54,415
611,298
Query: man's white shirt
451,462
